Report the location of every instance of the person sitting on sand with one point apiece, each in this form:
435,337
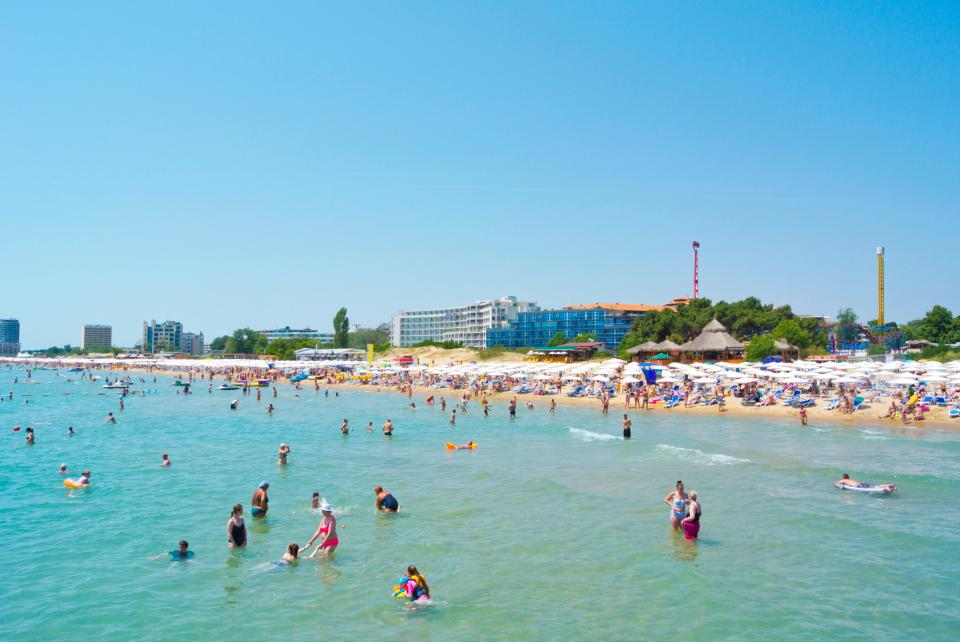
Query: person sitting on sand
891,411
853,483
386,502
282,454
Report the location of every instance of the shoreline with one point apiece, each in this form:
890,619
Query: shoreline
936,419
733,409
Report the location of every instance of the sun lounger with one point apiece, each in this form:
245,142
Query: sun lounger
832,404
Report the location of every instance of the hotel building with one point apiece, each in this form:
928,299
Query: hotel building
96,337
297,333
467,324
9,337
607,322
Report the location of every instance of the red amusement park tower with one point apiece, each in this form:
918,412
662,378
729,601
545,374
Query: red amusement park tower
696,274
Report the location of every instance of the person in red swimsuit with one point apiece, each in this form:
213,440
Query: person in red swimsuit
326,532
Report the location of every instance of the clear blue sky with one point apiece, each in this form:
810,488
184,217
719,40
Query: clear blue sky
263,164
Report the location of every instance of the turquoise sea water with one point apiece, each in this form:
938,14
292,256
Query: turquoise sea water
554,528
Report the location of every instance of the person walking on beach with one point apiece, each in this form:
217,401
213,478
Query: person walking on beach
627,424
803,416
236,529
677,501
605,400
646,398
326,531
259,501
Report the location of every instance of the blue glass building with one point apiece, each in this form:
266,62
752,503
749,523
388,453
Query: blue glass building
608,324
9,337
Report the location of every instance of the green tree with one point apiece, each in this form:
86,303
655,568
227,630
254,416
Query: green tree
245,341
791,332
760,347
558,340
938,325
219,343
585,337
361,337
847,319
876,349
341,329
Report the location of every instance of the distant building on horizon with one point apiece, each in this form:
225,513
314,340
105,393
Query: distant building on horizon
467,324
192,343
608,323
9,337
297,333
96,337
162,337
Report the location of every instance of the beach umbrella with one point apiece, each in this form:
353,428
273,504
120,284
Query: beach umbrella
600,378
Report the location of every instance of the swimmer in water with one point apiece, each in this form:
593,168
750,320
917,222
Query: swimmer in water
466,446
344,428
677,501
453,417
110,419
415,585
388,427
236,529
31,438
259,501
234,404
627,425
315,500
165,461
291,555
270,409
182,552
386,502
370,427
70,431
282,454
326,531
63,469
853,483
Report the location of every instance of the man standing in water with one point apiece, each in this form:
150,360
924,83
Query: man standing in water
388,427
627,424
344,428
259,502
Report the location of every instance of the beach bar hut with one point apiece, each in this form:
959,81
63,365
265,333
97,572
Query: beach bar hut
648,347
787,352
713,344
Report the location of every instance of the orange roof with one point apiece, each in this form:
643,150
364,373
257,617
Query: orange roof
622,307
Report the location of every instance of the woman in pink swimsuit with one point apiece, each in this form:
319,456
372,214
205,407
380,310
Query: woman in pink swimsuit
326,532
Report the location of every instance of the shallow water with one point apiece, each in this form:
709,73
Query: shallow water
554,528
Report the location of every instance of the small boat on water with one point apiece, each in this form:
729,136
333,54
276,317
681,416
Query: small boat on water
116,385
227,386
178,383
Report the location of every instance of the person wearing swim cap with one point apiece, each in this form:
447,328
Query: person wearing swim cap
326,531
234,404
259,501
386,502
677,501
282,454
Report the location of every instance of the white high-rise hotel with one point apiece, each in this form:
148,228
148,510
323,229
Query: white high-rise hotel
467,324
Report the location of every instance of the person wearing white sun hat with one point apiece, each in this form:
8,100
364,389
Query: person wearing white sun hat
326,532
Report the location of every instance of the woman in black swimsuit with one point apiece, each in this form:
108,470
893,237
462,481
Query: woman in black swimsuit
385,501
236,529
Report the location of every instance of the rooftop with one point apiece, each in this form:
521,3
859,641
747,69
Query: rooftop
621,307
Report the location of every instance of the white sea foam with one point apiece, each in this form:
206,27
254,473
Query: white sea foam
699,456
874,435
586,435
